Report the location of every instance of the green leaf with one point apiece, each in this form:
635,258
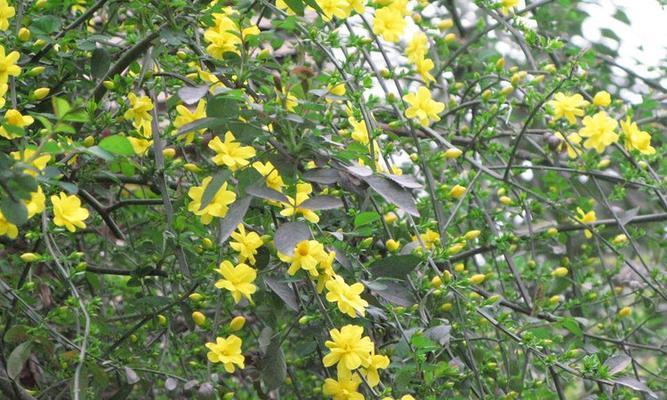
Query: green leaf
274,367
365,218
233,218
60,106
393,193
15,211
222,107
204,123
397,267
100,62
98,152
322,203
117,144
297,6
46,24
573,326
392,291
17,358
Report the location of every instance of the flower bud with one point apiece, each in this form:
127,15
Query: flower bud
237,323
192,167
625,312
477,279
551,232
35,71
162,320
196,297
560,272
446,307
500,64
445,24
436,282
505,200
30,257
207,243
169,153
392,245
456,248
550,68
459,267
453,153
40,93
555,299
604,163
472,235
199,318
450,37
109,85
446,276
457,191
24,34
620,239
89,141
390,217
602,99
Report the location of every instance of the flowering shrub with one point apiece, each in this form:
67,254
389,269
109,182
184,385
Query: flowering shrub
342,199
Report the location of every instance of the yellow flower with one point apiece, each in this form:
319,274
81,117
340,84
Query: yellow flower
230,153
185,116
344,387
407,397
599,131
8,65
6,12
568,107
355,5
457,191
346,296
636,139
290,100
333,8
586,218
375,362
602,99
237,279
422,107
218,207
7,228
337,90
571,144
37,202
237,323
430,238
508,5
226,351
389,23
359,132
246,244
38,163
417,47
67,212
307,254
325,271
302,194
222,38
423,67
271,175
15,118
348,348
140,146
399,5
139,113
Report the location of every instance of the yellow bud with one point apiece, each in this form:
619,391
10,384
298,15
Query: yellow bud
264,54
305,320
181,55
237,323
506,91
414,157
459,267
40,93
169,152
89,141
500,64
604,163
390,217
501,192
477,279
474,295
459,86
162,320
487,94
109,85
560,272
472,235
192,167
505,200
196,297
516,79
602,99
642,164
450,37
537,79
552,231
625,312
550,68
24,34
35,71
392,245
446,276
495,298
207,243
618,290
436,282
417,18
39,43
445,24
457,191
134,338
40,3
446,307
199,318
228,396
555,299
456,248
453,153
30,257
620,239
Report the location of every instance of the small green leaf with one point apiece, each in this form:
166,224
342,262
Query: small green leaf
573,326
397,267
15,211
117,144
17,358
365,218
100,62
296,5
274,367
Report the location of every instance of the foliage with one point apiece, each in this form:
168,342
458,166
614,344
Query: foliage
338,199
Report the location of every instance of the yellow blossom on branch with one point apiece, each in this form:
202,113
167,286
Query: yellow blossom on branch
389,23
303,191
348,348
344,387
237,279
185,116
422,107
347,297
226,351
636,139
307,255
246,244
230,152
568,107
67,212
599,131
218,206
